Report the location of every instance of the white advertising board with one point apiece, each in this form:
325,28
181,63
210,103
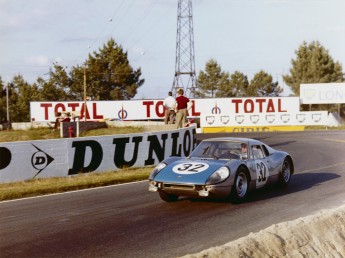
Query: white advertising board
154,109
64,157
322,93
268,119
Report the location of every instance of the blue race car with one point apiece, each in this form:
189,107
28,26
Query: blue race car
221,167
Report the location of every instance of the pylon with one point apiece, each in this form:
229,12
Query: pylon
185,58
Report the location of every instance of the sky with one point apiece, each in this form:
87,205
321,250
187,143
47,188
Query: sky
241,35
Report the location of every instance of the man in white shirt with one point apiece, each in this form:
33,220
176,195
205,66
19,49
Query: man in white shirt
169,105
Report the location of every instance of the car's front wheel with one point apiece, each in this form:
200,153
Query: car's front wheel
240,188
285,175
168,197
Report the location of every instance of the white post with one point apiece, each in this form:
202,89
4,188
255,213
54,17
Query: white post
77,126
8,109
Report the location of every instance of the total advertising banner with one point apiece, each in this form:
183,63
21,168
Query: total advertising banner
63,157
154,109
322,93
268,119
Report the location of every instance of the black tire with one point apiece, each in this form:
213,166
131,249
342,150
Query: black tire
285,174
240,189
168,197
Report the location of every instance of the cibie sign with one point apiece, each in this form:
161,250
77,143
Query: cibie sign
322,93
154,109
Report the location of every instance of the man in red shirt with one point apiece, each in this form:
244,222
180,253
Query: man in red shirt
182,104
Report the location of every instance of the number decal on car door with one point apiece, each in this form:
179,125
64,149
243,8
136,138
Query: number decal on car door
190,168
261,174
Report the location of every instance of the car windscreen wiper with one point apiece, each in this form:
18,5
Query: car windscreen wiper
205,150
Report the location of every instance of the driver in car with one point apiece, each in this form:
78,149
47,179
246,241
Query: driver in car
244,151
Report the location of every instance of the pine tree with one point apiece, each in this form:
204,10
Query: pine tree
312,64
56,88
238,85
109,74
213,81
20,95
262,85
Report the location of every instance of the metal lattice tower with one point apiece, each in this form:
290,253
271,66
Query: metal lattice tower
185,59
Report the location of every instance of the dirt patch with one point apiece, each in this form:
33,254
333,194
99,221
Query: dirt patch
319,235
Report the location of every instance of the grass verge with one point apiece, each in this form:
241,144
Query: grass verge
36,187
46,133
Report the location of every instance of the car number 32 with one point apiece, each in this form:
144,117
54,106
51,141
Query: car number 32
190,168
261,174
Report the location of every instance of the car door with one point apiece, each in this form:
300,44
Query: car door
262,165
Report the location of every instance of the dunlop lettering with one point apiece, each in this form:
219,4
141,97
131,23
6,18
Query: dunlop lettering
156,147
120,150
186,143
176,149
79,156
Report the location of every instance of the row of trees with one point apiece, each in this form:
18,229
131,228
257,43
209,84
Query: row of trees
313,64
213,82
111,77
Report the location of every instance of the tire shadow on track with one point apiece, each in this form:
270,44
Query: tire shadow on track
299,182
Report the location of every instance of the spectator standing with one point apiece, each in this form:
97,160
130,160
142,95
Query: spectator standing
67,118
169,105
58,119
181,108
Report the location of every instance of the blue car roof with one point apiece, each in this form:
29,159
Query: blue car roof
234,139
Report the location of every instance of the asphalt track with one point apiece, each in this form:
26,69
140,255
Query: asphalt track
129,221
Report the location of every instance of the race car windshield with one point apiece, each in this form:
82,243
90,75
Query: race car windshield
218,150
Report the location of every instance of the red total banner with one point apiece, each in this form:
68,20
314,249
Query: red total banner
154,109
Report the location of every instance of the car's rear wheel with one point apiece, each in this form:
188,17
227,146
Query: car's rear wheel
240,188
168,197
285,175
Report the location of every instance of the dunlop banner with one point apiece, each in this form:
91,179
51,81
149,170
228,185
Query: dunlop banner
63,157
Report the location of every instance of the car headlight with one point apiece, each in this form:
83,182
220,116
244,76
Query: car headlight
158,168
218,176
